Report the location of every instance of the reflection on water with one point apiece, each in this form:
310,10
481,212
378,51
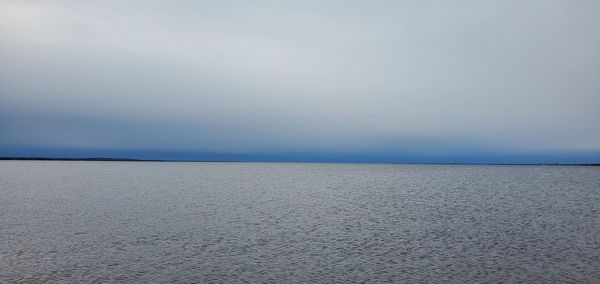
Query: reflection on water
230,222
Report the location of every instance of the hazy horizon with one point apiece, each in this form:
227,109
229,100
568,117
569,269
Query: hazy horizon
341,81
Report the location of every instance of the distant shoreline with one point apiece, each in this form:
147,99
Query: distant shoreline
106,159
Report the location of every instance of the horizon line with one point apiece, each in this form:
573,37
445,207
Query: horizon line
113,159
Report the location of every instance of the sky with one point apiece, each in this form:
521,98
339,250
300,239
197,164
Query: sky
326,81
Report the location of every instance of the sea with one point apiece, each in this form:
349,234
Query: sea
189,222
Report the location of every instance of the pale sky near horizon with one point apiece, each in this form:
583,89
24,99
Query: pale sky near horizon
397,78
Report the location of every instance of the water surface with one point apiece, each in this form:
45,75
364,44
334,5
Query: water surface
247,222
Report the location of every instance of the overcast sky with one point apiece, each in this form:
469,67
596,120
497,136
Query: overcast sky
400,80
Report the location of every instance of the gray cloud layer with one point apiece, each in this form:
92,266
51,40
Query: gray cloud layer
248,76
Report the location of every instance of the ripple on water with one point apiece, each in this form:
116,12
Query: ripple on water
230,222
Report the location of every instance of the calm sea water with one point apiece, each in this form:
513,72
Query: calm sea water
246,222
